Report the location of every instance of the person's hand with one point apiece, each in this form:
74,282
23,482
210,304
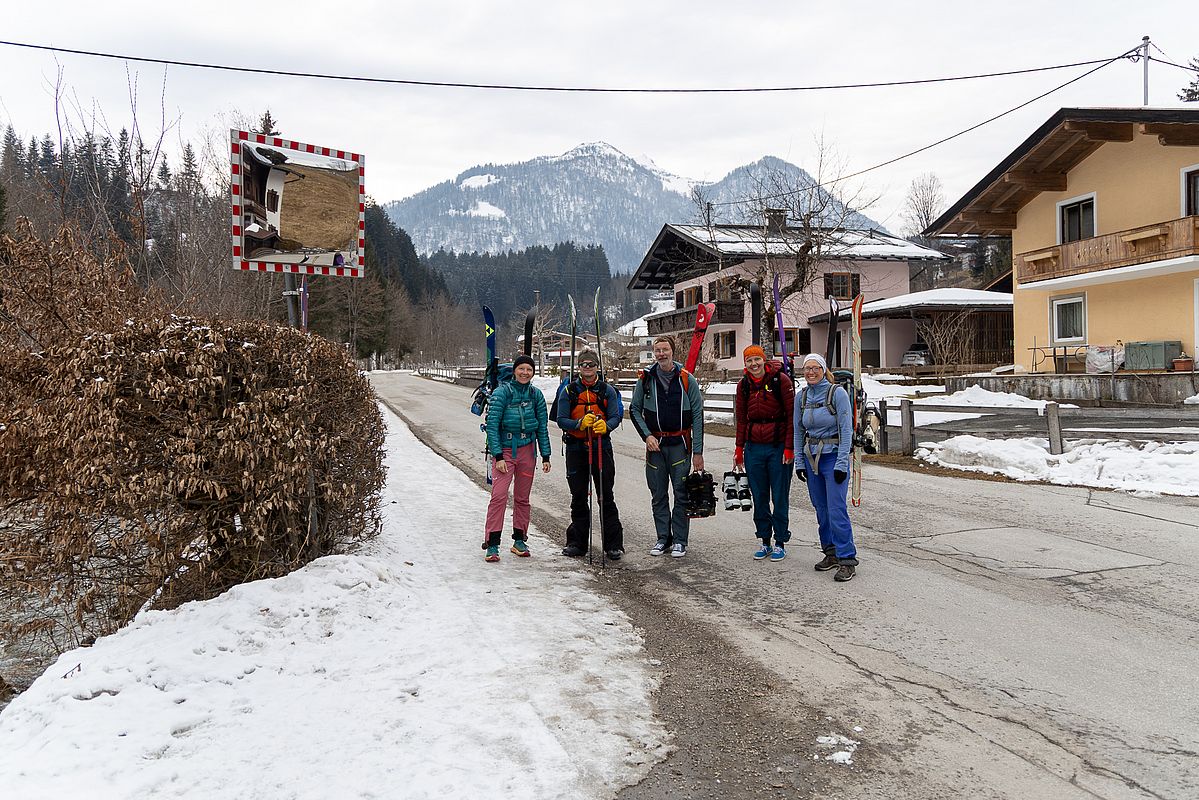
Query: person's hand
739,457
839,475
697,462
599,426
788,456
651,444
501,466
587,422
545,465
802,474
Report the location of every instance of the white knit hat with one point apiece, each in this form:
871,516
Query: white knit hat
819,359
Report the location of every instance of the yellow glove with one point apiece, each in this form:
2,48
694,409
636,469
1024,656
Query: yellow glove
600,427
586,422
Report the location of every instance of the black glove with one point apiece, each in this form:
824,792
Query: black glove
802,474
839,475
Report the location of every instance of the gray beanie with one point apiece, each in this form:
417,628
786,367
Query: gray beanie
587,354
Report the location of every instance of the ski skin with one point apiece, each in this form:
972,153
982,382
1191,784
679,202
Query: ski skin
859,396
529,319
703,316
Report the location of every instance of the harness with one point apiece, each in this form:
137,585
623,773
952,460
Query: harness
684,379
813,444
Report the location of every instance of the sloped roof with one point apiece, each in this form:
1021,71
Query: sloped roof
1041,161
700,249
929,300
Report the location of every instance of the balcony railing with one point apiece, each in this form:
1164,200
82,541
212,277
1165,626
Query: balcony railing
727,312
1173,239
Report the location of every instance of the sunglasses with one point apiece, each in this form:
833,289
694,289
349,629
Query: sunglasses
587,364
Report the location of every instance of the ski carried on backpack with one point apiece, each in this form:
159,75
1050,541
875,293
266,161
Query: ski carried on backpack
834,320
491,379
529,319
570,376
755,313
703,316
778,326
866,419
599,345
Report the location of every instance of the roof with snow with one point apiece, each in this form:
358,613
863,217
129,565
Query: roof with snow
683,251
930,300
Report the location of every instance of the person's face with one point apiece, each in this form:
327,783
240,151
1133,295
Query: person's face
756,366
663,353
588,369
812,373
523,373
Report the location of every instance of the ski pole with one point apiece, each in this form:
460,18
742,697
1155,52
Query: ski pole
590,517
599,457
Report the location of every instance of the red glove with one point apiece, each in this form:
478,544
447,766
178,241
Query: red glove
738,456
788,456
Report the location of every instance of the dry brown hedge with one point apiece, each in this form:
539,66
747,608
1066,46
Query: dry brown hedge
152,459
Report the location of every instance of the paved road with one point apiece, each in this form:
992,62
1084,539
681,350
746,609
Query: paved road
1001,640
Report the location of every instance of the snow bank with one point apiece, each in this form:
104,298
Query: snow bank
410,668
1192,401
1170,468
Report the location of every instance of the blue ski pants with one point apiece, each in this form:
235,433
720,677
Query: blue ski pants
829,498
769,480
664,470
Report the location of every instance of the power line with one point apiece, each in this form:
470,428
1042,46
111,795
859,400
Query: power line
547,88
919,150
1187,67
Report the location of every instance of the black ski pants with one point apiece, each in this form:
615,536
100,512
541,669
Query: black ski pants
578,534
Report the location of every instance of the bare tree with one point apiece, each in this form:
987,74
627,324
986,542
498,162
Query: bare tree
807,218
950,338
924,203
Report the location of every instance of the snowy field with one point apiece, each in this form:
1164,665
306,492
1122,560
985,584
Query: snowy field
409,669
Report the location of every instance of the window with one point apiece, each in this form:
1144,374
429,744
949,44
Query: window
842,285
799,341
872,354
692,296
726,344
272,201
1190,192
1069,319
1078,220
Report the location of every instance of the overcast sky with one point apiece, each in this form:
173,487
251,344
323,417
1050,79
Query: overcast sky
415,137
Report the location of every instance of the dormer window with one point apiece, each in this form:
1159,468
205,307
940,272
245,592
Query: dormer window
1078,220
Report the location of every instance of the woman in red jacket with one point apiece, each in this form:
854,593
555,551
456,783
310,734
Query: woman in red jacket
763,407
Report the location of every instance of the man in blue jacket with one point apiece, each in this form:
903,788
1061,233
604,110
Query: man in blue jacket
668,414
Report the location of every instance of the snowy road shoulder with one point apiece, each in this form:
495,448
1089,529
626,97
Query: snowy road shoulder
411,667
1163,468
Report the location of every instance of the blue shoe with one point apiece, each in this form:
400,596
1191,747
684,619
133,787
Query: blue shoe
762,551
778,553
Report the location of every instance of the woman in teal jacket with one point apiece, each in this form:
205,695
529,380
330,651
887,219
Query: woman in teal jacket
517,425
824,436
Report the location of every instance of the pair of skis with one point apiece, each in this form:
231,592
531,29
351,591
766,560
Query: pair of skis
755,305
491,375
866,419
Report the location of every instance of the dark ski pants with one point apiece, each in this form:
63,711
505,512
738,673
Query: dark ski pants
579,532
666,469
832,511
769,480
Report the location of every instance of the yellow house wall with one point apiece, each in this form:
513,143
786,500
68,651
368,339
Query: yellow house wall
1134,183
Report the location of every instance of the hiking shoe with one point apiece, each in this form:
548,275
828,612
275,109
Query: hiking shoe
613,555
573,552
493,553
778,553
828,562
658,549
762,551
845,572
678,551
520,548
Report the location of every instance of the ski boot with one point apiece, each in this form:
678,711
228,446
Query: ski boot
743,494
732,501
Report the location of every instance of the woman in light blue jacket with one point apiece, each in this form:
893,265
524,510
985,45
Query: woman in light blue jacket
824,436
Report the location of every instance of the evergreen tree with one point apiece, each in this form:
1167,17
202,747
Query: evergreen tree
1190,92
12,159
164,174
266,124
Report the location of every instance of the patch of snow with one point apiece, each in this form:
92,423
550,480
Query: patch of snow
1163,468
478,181
484,209
844,747
396,669
1192,401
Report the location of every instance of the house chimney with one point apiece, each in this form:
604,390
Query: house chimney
776,220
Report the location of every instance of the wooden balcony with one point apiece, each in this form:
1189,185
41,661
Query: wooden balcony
727,312
1165,240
